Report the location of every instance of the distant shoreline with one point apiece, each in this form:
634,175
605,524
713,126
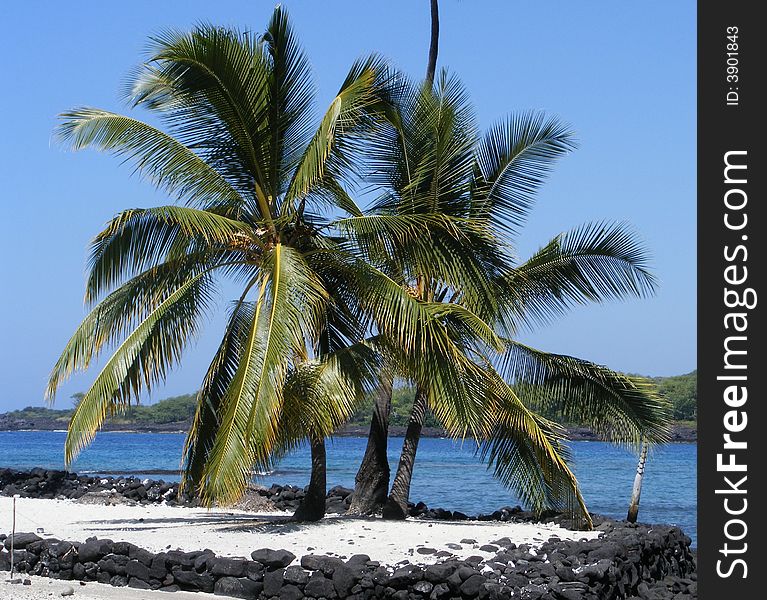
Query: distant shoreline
682,432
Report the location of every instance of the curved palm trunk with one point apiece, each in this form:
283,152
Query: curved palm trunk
431,66
396,504
372,480
636,492
312,507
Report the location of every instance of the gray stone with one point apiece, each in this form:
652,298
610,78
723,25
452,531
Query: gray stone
596,571
139,584
471,586
21,540
317,562
406,576
440,590
141,555
176,558
291,592
191,580
158,569
230,567
439,572
319,587
423,587
273,559
254,571
237,587
135,569
296,575
343,580
533,592
273,582
93,551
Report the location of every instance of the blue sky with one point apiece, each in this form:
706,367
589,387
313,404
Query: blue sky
622,74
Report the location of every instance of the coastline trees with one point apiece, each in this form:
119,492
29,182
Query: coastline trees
335,300
450,206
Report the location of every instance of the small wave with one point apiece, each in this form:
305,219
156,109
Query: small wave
130,471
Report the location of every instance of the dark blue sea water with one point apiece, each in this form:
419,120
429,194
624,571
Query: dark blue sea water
447,474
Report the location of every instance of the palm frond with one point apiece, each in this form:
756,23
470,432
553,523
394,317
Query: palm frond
118,314
286,313
619,408
527,453
592,263
327,155
142,238
163,160
211,88
512,162
207,419
142,359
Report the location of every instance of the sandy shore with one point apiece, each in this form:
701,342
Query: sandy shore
44,588
238,533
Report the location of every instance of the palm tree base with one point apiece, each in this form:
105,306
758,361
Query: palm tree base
395,510
312,507
371,483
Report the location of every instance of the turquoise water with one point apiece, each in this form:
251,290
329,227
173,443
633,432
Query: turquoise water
447,474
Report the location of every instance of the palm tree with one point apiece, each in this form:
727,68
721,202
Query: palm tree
450,205
431,65
636,490
252,175
372,479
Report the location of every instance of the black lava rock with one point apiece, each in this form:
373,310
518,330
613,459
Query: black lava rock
273,559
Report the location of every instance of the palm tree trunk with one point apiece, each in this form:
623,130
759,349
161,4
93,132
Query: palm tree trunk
636,492
372,480
431,66
312,507
396,504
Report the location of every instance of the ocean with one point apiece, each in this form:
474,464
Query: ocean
447,473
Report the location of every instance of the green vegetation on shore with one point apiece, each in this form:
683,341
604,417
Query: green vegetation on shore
679,389
178,409
682,390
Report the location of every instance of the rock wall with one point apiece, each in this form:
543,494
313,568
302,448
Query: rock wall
627,561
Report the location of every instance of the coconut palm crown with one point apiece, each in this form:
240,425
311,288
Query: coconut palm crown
448,191
251,173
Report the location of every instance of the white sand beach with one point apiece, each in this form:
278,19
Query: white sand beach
237,533
42,588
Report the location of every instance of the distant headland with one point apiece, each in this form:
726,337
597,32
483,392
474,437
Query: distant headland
175,415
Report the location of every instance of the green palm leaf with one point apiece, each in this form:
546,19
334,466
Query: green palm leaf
117,315
512,162
163,160
592,263
289,301
527,454
619,408
142,359
327,155
142,238
207,419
